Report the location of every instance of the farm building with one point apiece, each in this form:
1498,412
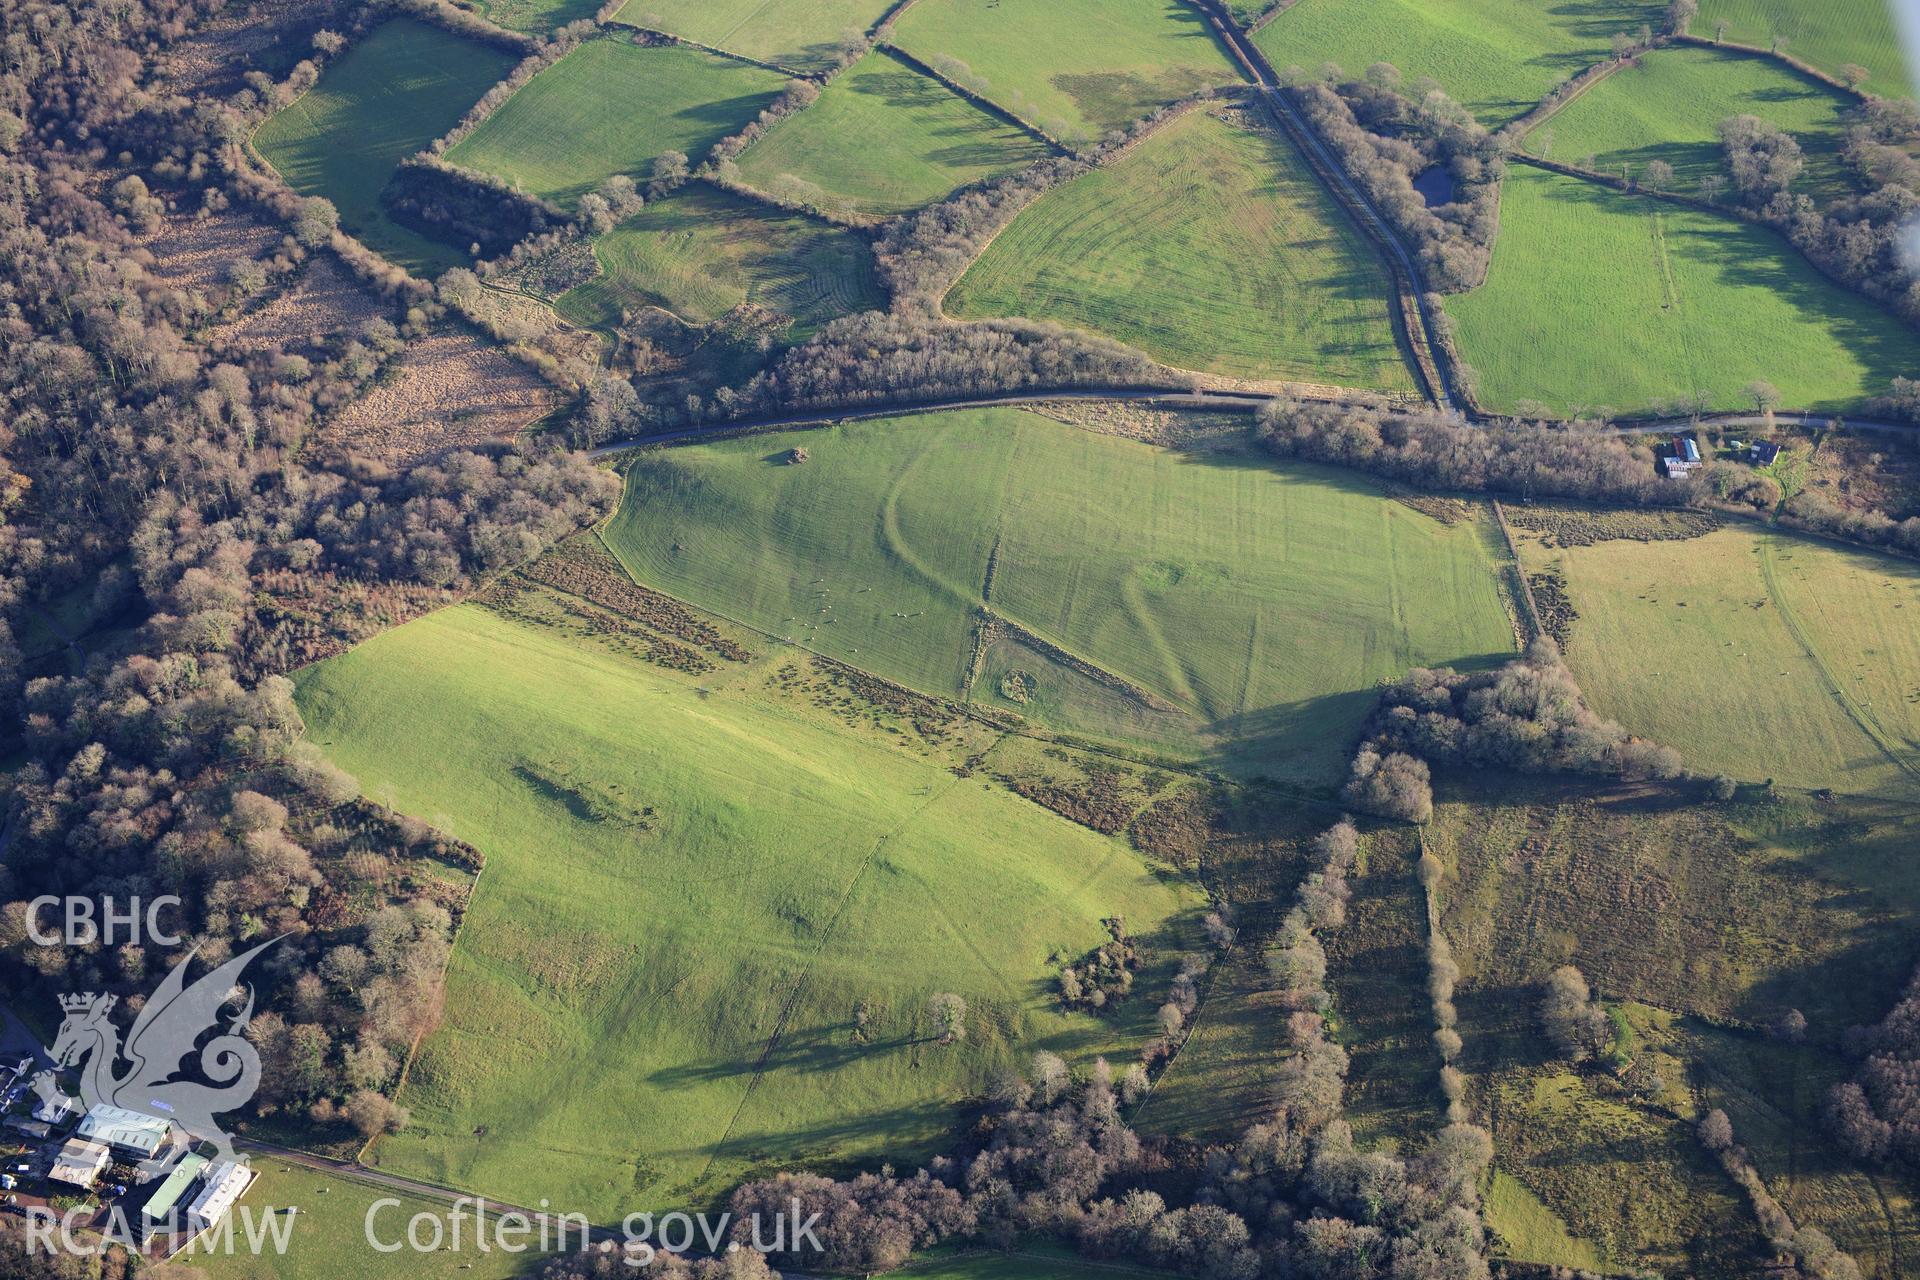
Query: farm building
165,1200
57,1110
225,1183
130,1133
31,1128
79,1164
1761,453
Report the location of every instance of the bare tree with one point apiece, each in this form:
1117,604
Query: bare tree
1765,397
1577,1028
949,1014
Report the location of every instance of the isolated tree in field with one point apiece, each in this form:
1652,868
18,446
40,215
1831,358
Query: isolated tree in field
1716,1131
1680,15
949,1014
1724,788
1855,75
1576,1026
1720,31
1765,397
1659,176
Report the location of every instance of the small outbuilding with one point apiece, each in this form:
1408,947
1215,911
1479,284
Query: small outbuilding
57,1111
80,1164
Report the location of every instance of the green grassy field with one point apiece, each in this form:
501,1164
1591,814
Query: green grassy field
538,16
1667,106
712,916
1530,1231
1775,1095
1754,653
1497,58
884,139
702,252
1076,68
1826,35
1211,248
1601,299
329,1240
388,96
801,34
610,107
1253,605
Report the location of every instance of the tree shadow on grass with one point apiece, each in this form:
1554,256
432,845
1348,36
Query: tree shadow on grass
723,116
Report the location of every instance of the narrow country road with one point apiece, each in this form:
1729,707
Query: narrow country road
1241,401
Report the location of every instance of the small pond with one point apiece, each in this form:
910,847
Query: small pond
1435,185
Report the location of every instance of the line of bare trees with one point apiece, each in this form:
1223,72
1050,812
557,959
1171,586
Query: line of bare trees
1439,452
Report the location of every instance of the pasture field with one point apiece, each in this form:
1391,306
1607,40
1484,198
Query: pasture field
801,34
715,906
1496,58
1776,1096
386,97
1828,36
539,16
1753,653
1257,848
1252,605
702,251
328,1238
884,139
1530,1231
1666,108
1076,68
1383,1017
1625,1181
611,107
1738,911
1606,300
1210,247
1690,918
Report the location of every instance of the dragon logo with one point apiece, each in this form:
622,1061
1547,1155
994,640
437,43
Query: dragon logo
170,1030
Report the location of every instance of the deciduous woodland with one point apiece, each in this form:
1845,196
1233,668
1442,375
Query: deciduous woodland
1230,640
